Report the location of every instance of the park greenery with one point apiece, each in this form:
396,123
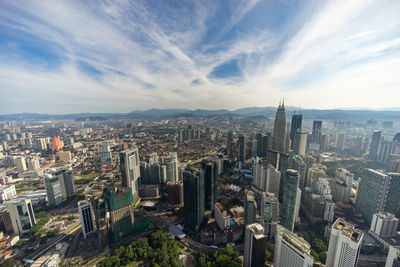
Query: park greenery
319,247
224,258
87,178
37,229
158,250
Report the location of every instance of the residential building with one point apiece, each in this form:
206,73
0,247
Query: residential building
255,244
269,214
384,224
171,163
344,245
291,250
105,154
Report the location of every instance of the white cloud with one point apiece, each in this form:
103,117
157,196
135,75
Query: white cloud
351,46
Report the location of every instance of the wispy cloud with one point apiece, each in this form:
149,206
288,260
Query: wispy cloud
118,56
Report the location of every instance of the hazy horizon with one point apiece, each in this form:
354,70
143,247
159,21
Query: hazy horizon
69,57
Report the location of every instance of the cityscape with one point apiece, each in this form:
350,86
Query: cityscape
199,133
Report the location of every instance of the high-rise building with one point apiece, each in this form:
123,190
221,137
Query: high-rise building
299,165
242,147
86,217
5,221
378,192
393,258
291,250
300,142
105,154
171,163
269,214
21,214
344,245
345,178
210,184
255,244
375,144
279,142
174,193
130,171
250,207
263,141
56,144
33,164
384,224
266,178
316,132
290,198
66,182
294,127
54,190
340,138
21,164
120,206
193,184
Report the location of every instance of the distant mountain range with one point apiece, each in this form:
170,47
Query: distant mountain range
250,112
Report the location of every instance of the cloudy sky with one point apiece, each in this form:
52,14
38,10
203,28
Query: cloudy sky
119,56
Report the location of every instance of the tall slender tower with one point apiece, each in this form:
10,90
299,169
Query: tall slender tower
279,143
296,125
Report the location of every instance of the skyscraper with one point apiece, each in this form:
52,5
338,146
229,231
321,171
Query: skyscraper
289,198
86,217
105,154
171,163
378,192
393,258
344,245
242,148
53,190
375,144
250,207
269,214
193,193
130,171
279,143
255,243
120,206
66,182
316,132
300,142
21,214
291,250
210,183
294,127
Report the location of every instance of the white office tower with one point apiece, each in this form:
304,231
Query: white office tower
267,178
315,172
21,214
393,258
291,250
86,216
344,245
255,243
171,164
105,154
384,224
33,164
297,206
300,142
21,164
269,214
130,171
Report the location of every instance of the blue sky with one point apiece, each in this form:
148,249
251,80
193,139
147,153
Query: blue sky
119,56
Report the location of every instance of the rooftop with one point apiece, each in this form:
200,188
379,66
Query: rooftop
348,230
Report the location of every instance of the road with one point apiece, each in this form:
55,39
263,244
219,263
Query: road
61,238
